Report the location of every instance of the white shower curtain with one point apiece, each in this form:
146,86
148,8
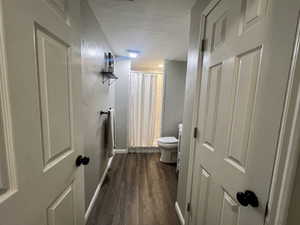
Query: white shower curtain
145,99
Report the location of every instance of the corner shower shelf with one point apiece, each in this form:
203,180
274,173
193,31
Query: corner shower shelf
108,77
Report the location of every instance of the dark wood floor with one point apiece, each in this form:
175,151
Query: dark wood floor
139,190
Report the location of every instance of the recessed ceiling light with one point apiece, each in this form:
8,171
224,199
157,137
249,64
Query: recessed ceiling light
133,53
161,65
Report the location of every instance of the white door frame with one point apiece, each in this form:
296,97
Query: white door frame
286,162
5,110
195,118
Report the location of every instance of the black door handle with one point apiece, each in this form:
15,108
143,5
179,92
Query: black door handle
247,198
82,160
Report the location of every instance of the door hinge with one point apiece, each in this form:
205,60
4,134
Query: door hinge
203,45
195,132
188,207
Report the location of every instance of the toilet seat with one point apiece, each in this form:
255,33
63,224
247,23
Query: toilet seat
168,142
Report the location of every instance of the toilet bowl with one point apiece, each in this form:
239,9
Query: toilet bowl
168,147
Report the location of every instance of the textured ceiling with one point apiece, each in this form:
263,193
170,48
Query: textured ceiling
157,28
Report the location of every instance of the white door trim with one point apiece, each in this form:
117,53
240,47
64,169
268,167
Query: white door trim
5,113
286,159
288,148
179,213
193,142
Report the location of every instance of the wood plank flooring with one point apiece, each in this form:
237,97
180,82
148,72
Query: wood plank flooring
139,190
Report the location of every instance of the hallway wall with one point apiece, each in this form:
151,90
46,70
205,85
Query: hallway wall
122,70
174,90
191,79
96,97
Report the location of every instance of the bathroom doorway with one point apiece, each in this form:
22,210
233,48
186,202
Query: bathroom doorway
145,110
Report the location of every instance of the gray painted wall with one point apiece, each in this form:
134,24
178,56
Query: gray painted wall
96,96
174,89
192,73
122,70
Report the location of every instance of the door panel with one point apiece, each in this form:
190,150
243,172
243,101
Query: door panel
61,211
42,53
219,31
60,6
54,86
212,104
245,84
210,200
204,193
242,91
215,205
230,210
252,12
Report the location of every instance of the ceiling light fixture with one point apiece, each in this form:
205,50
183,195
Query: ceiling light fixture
133,53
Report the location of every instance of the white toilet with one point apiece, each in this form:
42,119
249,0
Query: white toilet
168,148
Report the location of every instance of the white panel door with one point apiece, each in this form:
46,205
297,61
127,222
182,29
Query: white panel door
39,117
245,73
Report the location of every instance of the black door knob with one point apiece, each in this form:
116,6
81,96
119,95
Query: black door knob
247,198
82,160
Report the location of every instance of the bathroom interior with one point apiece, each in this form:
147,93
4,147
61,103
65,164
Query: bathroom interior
133,113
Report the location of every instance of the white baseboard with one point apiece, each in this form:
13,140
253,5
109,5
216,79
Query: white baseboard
121,151
144,150
179,214
97,191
